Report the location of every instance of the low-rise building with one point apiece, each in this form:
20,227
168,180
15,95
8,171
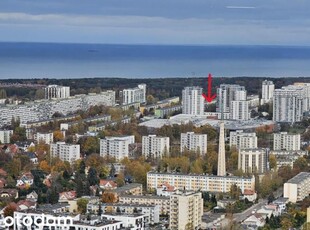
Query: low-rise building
132,221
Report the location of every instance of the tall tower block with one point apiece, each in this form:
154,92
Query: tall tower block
221,165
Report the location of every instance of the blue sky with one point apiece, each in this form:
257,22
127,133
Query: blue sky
260,22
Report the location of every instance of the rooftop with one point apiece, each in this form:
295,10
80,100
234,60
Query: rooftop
299,178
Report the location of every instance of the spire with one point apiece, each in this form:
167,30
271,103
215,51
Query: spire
221,165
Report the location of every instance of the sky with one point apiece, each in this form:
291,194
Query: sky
191,22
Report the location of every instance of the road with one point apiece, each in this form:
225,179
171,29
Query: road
239,217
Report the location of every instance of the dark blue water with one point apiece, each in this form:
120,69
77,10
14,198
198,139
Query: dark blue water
46,60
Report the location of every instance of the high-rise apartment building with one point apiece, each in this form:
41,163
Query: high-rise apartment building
267,91
242,140
186,210
65,152
226,94
192,101
239,111
285,141
154,146
133,95
194,142
5,136
253,160
289,104
117,147
297,188
56,91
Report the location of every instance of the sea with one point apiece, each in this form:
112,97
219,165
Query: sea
57,60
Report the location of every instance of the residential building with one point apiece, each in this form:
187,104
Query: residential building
132,221
298,187
192,101
65,152
107,184
151,211
5,136
226,94
165,190
195,182
25,180
42,110
46,138
194,142
287,158
186,210
116,147
167,111
253,160
289,104
254,221
242,140
134,95
285,141
56,91
239,110
154,146
267,91
162,202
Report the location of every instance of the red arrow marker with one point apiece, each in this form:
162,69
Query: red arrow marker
209,98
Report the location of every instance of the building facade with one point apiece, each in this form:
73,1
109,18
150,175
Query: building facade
186,210
5,136
226,94
285,141
297,188
194,142
267,91
65,152
289,104
56,91
239,111
242,140
154,146
134,95
116,147
253,160
46,138
192,101
208,183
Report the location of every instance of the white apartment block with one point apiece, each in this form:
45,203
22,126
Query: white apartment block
65,152
44,109
239,111
267,91
226,94
297,188
61,221
194,142
154,146
285,141
253,160
242,140
186,210
56,91
162,202
208,183
5,136
289,104
46,138
116,147
129,221
134,95
192,101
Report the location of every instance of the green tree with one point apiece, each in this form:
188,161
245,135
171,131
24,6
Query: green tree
82,205
92,177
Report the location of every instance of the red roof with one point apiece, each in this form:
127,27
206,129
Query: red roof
107,183
248,192
70,195
169,188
